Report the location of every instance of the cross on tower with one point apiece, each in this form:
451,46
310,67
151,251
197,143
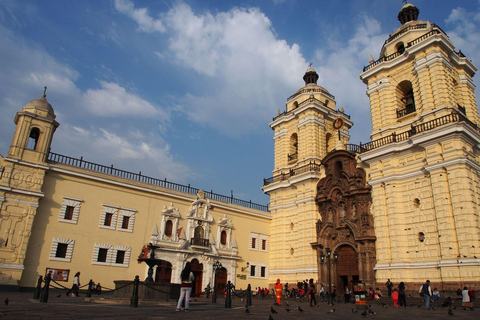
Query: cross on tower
45,90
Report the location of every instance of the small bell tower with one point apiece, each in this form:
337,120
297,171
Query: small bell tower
304,134
36,125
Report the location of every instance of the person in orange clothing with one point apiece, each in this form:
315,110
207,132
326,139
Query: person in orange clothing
395,297
278,292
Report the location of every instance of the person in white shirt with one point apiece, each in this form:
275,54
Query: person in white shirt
187,279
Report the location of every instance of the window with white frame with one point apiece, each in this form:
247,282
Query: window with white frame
126,219
258,270
258,241
108,218
110,255
70,210
62,249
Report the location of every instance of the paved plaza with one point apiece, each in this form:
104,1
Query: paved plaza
22,306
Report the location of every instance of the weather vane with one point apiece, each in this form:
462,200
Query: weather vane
310,65
404,1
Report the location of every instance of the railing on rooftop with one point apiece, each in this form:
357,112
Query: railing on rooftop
312,166
80,163
397,54
423,127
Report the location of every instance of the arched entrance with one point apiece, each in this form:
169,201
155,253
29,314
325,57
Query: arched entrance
163,272
222,276
347,267
197,269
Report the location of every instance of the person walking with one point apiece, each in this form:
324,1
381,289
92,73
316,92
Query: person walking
75,286
389,286
402,299
312,291
426,292
207,290
278,292
395,297
187,279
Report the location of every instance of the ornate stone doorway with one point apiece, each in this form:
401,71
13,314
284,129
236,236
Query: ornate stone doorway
346,224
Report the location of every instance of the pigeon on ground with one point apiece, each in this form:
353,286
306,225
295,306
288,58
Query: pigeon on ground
371,312
364,313
383,304
59,295
247,310
6,301
300,309
331,310
354,310
286,309
273,310
370,305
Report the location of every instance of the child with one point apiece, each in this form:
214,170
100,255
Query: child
395,297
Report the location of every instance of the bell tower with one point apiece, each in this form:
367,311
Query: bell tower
22,175
308,129
34,131
423,159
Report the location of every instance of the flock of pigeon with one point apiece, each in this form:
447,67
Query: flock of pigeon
366,312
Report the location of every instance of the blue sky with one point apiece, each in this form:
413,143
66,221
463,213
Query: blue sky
185,90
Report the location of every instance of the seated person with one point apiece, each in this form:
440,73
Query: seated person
435,295
378,294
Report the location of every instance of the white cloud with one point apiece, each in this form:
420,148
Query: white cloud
112,100
246,71
465,32
141,16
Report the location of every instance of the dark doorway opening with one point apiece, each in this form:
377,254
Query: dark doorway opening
197,269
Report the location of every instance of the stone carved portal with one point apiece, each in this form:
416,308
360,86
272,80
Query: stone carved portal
346,224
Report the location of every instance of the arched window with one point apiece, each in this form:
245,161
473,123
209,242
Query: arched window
400,47
293,149
33,139
168,228
405,99
223,238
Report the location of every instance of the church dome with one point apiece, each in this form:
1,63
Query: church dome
408,13
41,104
310,76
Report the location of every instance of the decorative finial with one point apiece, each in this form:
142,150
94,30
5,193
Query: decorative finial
45,90
310,65
404,1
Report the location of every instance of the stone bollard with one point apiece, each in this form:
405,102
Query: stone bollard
38,288
134,299
249,295
44,295
89,291
228,297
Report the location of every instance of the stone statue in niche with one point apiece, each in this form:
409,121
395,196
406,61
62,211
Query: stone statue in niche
354,210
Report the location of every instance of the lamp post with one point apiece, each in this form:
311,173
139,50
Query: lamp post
327,260
217,265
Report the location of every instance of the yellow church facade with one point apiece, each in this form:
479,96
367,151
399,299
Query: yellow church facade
65,215
404,206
